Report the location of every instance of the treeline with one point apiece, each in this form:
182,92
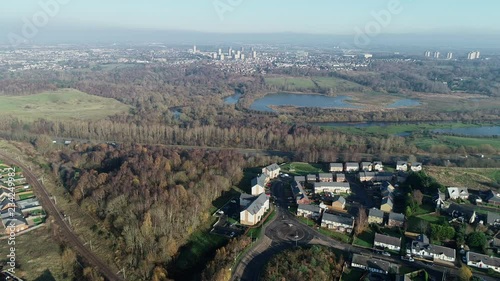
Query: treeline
149,198
315,263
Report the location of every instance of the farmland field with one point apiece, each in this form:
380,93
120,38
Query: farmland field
63,104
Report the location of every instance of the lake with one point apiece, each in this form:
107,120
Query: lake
232,99
487,131
300,100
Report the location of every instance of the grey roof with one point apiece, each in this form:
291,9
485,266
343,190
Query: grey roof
458,191
340,175
416,164
299,178
376,213
493,197
336,165
15,220
491,261
363,164
388,240
332,184
352,164
339,199
371,262
397,217
257,204
260,180
338,219
366,174
273,167
423,238
28,203
433,249
492,218
311,177
6,214
387,201
326,175
377,162
399,163
310,208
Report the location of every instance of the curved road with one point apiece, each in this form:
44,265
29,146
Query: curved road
70,237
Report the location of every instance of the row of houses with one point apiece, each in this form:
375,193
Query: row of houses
387,192
332,187
377,216
421,247
350,167
321,177
404,166
372,265
483,261
455,193
375,176
18,205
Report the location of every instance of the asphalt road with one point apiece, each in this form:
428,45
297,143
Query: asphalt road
286,232
70,237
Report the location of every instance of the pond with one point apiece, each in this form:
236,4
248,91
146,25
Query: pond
487,131
232,99
300,100
404,103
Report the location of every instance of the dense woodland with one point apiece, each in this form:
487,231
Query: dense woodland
149,198
315,263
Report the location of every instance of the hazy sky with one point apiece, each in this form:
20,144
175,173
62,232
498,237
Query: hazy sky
312,16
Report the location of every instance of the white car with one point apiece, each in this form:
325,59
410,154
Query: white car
386,254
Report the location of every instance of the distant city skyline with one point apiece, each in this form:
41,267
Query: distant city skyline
259,16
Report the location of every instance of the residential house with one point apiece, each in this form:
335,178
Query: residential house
383,176
387,242
4,193
493,219
496,240
340,177
337,222
396,220
387,189
311,178
6,203
336,167
14,223
370,264
351,167
300,193
458,192
416,167
440,199
365,166
299,178
421,247
377,166
253,213
272,171
333,187
387,205
493,198
308,211
28,203
402,166
366,176
258,184
483,261
326,177
338,202
461,213
376,216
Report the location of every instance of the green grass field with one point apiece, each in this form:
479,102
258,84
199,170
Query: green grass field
478,178
201,244
59,105
299,168
365,239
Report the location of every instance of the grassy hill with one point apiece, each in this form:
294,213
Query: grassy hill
62,104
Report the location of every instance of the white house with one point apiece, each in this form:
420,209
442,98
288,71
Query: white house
377,166
336,167
458,192
421,247
337,222
483,261
370,264
272,171
402,166
333,187
387,242
255,210
416,167
258,184
308,211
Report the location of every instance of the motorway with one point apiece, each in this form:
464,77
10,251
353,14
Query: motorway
71,238
286,232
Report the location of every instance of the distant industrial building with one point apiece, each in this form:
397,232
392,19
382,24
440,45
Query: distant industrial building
427,54
437,55
449,56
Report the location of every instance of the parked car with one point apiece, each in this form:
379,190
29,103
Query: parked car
386,254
